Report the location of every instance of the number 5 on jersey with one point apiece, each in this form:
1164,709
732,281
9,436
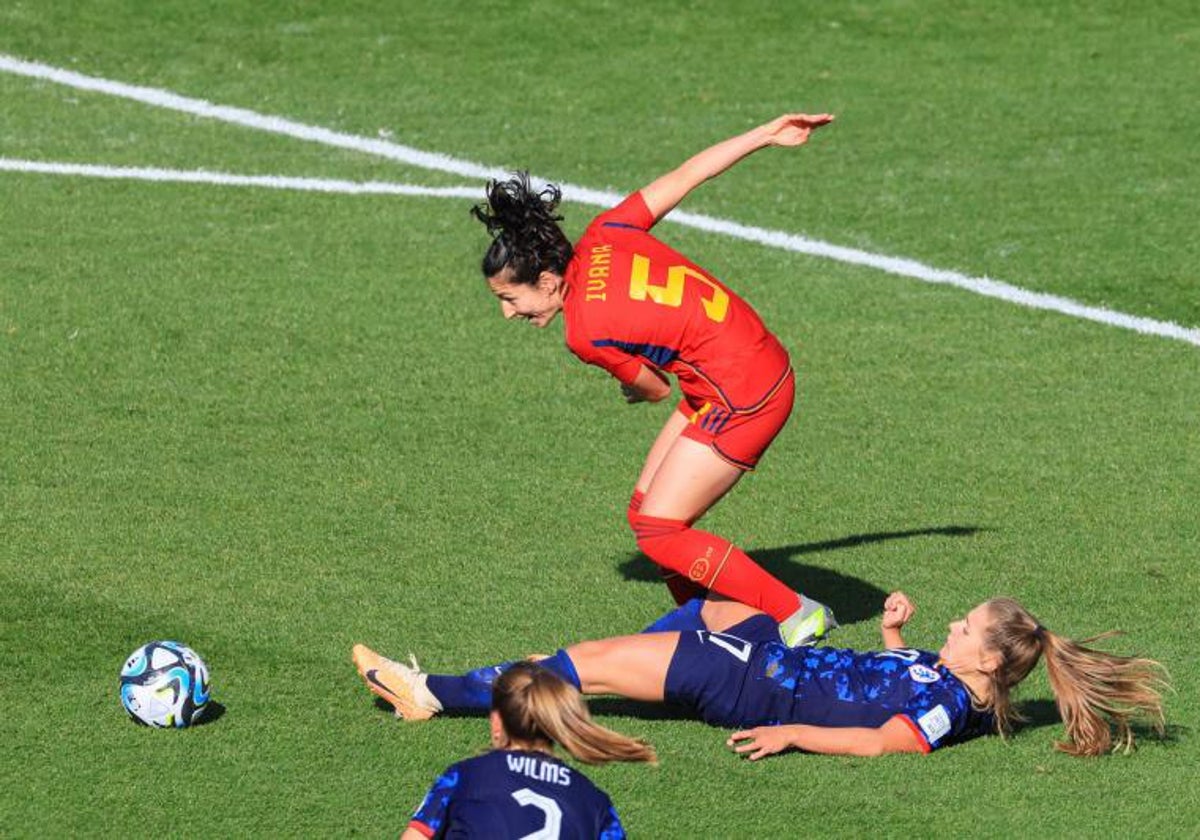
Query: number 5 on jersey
671,294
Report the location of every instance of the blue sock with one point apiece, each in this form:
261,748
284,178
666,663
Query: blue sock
473,690
470,692
561,664
686,617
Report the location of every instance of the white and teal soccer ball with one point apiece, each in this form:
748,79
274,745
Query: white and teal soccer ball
164,684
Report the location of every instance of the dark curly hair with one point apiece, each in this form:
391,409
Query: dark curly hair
525,231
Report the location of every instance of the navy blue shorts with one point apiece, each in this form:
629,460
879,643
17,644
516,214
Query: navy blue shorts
720,675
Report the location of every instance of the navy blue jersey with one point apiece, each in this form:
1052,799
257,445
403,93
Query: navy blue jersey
508,793
746,677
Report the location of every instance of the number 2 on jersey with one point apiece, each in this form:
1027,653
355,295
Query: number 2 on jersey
553,814
671,294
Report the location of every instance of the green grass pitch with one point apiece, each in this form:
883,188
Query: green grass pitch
273,423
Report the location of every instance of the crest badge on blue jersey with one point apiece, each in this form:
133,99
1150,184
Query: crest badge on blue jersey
923,674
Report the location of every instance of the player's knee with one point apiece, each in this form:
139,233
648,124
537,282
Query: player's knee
658,538
649,545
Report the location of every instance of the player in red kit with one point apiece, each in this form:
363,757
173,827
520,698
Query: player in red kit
641,310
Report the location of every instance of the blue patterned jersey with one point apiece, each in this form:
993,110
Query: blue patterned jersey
745,677
509,793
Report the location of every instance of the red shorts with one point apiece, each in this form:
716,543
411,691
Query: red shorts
741,437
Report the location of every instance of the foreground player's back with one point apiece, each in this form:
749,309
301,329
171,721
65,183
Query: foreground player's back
515,793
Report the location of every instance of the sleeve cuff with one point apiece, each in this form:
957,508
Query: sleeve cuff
926,747
417,825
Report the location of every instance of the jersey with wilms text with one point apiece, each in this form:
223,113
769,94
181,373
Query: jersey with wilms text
631,300
511,793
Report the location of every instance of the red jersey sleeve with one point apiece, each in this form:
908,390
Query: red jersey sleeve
632,212
619,363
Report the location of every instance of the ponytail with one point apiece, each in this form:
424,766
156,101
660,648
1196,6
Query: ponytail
1096,692
537,706
1092,688
526,237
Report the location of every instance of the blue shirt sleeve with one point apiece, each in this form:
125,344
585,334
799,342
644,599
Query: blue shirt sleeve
613,830
939,708
431,813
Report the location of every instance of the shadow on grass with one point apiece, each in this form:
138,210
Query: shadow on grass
1044,712
212,713
620,707
1038,713
1172,734
850,598
385,707
599,706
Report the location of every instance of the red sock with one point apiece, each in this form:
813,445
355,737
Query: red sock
681,589
708,561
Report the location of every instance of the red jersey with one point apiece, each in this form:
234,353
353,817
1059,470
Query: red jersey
631,300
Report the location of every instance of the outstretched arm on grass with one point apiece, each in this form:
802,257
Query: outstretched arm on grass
895,736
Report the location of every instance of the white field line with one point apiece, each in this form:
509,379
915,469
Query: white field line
444,163
200,176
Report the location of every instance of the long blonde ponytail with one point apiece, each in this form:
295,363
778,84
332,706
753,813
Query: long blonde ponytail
537,706
1096,692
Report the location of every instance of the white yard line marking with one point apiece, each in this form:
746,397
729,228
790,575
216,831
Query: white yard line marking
444,163
200,176
249,119
919,271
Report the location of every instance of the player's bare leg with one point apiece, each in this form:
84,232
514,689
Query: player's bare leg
629,666
720,613
690,479
666,438
682,590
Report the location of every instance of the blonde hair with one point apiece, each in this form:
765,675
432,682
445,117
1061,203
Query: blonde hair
536,706
1096,692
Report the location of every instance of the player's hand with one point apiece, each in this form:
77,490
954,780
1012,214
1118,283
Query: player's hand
897,610
794,129
631,394
759,742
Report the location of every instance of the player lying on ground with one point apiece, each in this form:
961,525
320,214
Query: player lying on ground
736,674
520,789
640,310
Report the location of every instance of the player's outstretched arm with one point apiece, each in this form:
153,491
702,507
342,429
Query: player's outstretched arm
895,736
787,130
897,610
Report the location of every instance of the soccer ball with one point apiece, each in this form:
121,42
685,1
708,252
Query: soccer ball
164,684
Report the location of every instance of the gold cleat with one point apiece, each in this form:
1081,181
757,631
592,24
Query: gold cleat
401,686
